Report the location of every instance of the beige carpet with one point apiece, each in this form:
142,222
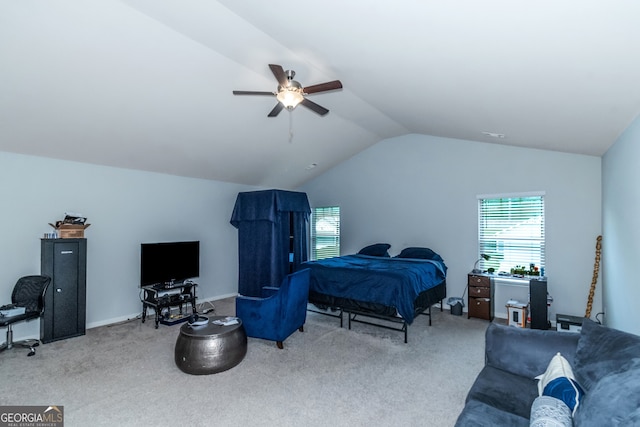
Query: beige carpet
124,375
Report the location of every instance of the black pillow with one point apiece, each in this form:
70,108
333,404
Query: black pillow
421,253
378,249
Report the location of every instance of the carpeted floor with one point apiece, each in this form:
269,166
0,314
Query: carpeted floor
124,375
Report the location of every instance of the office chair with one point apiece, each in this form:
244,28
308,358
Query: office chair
28,293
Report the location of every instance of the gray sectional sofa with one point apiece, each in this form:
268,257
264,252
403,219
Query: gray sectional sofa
605,363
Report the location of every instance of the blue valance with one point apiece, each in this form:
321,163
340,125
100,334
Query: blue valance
265,205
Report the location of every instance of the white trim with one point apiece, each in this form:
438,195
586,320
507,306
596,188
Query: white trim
150,315
510,195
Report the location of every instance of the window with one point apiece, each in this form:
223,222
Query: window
325,232
511,231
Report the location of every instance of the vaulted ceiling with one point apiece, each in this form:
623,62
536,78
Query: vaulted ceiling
147,84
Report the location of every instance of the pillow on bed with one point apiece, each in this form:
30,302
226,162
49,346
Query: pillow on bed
421,253
378,249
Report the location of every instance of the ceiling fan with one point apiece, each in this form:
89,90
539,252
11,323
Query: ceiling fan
290,93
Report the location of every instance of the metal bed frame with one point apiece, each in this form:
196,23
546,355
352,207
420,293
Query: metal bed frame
353,314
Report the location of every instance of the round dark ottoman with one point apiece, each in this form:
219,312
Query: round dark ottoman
210,348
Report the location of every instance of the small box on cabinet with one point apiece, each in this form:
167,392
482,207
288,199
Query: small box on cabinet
517,314
70,231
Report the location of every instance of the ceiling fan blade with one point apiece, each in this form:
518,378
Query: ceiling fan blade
276,110
278,72
252,92
315,107
322,87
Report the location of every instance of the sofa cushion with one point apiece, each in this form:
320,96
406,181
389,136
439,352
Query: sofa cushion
602,351
504,391
519,351
558,381
632,420
613,399
480,414
547,411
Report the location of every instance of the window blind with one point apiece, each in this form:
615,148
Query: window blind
325,232
511,232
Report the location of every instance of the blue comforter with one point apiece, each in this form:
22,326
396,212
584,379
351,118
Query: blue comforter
394,282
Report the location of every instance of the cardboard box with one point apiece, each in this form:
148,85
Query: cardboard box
517,314
70,231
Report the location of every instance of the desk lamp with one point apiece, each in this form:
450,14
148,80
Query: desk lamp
475,266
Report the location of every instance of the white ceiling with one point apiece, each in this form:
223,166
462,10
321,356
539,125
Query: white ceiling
147,84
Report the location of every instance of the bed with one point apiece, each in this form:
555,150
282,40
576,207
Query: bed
371,284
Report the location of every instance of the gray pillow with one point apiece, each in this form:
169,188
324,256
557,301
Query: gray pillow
602,351
613,400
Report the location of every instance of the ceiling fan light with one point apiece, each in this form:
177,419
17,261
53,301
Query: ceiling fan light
290,97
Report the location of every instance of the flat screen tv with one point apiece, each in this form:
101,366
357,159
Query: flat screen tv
170,262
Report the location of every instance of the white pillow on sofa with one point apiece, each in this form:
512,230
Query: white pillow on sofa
558,381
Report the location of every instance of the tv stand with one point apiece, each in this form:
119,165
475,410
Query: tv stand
163,299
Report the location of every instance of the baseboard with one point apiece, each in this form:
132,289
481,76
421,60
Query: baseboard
150,314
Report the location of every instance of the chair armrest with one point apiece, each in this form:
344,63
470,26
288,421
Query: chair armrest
526,352
268,291
267,309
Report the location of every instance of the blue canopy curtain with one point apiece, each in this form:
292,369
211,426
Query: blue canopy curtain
272,237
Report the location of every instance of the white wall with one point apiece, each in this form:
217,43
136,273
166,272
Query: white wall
621,239
125,208
421,190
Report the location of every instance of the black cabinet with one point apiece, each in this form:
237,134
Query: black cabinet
538,304
65,261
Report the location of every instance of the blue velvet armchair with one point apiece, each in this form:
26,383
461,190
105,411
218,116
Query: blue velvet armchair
279,312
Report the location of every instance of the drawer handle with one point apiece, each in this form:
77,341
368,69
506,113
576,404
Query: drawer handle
478,280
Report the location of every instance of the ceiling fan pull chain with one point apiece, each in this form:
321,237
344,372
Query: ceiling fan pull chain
290,127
